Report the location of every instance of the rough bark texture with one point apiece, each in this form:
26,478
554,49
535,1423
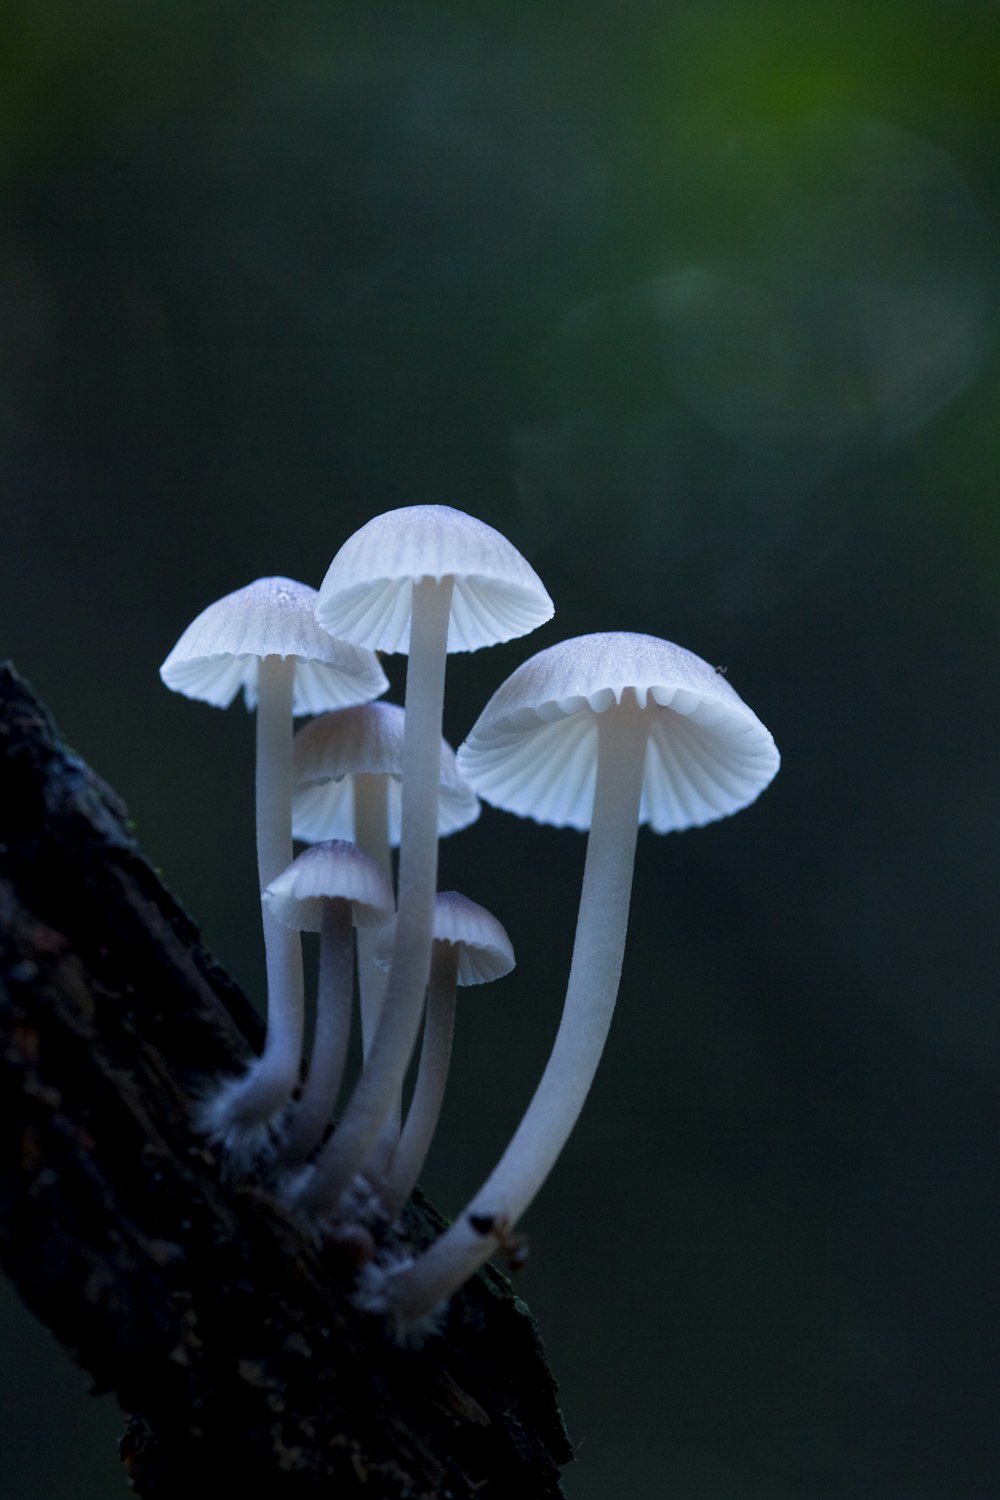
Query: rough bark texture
229,1339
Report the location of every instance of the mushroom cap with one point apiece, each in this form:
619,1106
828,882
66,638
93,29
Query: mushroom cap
334,870
366,739
485,951
533,750
220,651
365,596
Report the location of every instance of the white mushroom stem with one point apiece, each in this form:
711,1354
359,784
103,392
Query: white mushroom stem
371,834
428,1093
333,1028
595,972
372,1100
267,1085
282,1055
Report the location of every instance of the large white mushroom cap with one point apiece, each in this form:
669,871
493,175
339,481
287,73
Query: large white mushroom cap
484,949
368,740
220,651
365,596
334,870
533,749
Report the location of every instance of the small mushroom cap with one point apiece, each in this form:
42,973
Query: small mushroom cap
334,870
367,739
485,951
219,652
533,749
365,596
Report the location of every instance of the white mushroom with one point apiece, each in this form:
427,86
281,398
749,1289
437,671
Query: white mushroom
347,771
609,731
427,579
470,947
264,640
329,888
333,755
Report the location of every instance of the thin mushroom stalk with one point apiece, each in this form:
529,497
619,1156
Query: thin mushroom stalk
246,1104
372,1100
371,833
370,796
428,1091
334,993
416,1290
277,1070
470,948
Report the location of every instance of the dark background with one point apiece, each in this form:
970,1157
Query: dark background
697,303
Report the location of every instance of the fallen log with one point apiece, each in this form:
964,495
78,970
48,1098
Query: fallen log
227,1335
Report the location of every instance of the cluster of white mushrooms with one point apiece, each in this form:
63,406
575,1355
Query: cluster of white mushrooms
602,732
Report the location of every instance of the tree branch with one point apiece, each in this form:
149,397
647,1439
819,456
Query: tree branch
227,1336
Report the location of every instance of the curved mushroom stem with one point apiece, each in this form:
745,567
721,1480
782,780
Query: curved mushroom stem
595,971
428,1093
371,834
244,1104
373,1096
282,1054
333,1029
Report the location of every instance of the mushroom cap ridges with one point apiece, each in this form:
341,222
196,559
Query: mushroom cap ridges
484,949
533,750
365,596
333,870
366,739
219,652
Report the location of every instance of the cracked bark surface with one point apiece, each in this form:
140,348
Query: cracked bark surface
228,1338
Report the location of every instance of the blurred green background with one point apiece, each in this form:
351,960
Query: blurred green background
696,301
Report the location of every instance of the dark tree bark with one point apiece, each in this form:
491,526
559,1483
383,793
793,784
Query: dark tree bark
229,1339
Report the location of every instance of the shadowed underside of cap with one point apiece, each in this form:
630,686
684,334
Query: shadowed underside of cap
218,654
533,750
366,594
